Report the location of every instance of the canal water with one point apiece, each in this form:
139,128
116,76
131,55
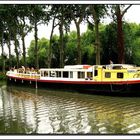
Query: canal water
30,111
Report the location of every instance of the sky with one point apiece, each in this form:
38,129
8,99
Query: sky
132,15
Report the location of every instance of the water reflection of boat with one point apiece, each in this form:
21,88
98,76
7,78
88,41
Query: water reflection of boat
30,111
97,78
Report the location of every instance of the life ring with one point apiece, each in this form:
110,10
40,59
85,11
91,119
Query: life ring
137,75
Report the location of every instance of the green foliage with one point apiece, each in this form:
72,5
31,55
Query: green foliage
71,49
43,45
131,43
88,48
135,51
13,27
31,56
109,44
55,51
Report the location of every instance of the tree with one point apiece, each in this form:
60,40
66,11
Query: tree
50,44
71,49
96,12
12,29
131,42
78,13
2,53
8,35
55,51
2,28
43,46
61,13
87,40
24,27
120,10
36,17
5,36
109,41
61,38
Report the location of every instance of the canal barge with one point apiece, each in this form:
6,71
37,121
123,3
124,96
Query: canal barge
110,78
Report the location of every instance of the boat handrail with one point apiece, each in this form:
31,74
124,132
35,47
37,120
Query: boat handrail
18,74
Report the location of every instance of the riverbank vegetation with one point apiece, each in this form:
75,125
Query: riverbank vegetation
2,77
118,41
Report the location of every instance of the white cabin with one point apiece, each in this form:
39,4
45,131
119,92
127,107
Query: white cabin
70,72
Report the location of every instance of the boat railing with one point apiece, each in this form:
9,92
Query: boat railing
29,75
33,75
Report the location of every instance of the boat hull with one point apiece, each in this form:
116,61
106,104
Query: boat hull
92,87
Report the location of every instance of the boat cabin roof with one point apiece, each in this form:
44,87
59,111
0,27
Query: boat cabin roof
90,67
77,66
120,66
69,67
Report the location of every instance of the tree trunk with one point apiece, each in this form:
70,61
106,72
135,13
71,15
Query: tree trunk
24,49
2,54
50,53
79,53
97,39
61,38
120,38
9,49
97,42
16,43
61,45
36,47
50,46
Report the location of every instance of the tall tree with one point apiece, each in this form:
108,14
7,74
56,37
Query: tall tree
61,24
43,45
15,31
120,10
61,13
2,29
6,12
50,43
78,13
24,27
10,31
96,12
36,17
2,52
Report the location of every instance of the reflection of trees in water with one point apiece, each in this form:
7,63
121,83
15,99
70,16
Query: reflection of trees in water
115,117
10,121
111,122
29,111
10,126
44,114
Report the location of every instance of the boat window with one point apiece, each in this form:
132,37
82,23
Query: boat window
81,74
107,75
117,67
71,74
65,74
119,75
42,73
89,74
52,74
58,73
96,73
45,74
